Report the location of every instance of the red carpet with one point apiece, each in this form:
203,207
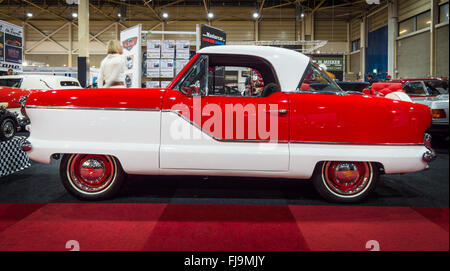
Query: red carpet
220,227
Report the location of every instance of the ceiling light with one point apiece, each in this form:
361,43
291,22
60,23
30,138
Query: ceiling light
29,14
119,15
403,31
165,15
255,15
210,15
75,15
302,15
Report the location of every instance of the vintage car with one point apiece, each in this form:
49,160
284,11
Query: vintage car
342,141
14,87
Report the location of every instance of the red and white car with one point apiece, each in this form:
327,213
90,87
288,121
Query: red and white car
194,127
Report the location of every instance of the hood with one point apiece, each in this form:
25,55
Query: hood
12,96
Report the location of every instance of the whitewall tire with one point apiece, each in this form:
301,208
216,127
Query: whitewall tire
345,181
91,176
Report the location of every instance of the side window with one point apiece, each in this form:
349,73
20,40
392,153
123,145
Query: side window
69,84
414,88
234,81
196,81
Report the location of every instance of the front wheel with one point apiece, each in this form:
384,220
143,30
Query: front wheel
345,181
91,176
8,129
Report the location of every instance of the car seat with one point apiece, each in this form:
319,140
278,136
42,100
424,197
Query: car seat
269,89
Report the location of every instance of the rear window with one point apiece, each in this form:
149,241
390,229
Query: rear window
10,82
69,84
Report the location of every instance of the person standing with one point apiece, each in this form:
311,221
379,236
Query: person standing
112,68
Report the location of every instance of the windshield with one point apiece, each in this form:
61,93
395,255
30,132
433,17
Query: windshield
10,82
317,80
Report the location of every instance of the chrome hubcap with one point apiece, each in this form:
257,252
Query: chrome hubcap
92,170
8,129
346,173
347,178
91,173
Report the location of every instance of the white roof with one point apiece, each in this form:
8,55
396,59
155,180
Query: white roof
289,65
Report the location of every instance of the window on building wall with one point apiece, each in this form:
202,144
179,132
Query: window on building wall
443,13
407,26
423,20
356,44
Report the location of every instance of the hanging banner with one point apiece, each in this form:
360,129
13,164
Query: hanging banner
11,47
180,63
167,66
153,67
153,49
334,63
211,36
130,39
182,47
152,84
168,49
165,84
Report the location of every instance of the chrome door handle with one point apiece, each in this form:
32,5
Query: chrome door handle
281,111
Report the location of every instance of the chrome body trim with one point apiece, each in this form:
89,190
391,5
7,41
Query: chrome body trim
92,108
356,143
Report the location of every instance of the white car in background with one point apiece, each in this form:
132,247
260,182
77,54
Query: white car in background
46,82
14,87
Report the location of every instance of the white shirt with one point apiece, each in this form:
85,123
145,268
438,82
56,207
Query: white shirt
112,70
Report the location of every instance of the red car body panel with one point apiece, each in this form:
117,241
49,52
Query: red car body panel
132,98
356,119
253,107
12,95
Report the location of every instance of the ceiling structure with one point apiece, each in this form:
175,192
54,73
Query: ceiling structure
184,10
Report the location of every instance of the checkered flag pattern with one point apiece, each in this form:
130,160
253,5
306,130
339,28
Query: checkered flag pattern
12,157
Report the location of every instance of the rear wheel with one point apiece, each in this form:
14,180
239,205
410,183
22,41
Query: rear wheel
345,181
91,176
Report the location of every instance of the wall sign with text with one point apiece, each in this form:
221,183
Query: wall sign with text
11,47
211,36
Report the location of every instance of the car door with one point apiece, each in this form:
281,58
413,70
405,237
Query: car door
205,131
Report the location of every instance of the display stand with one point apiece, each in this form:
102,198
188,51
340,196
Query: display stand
12,157
160,68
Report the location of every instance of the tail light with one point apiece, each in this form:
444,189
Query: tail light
26,145
438,114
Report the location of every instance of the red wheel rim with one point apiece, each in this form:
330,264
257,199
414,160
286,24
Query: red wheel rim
347,178
91,173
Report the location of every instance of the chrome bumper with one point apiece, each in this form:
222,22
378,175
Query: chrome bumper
430,154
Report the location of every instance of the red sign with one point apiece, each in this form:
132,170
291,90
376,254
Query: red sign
129,43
